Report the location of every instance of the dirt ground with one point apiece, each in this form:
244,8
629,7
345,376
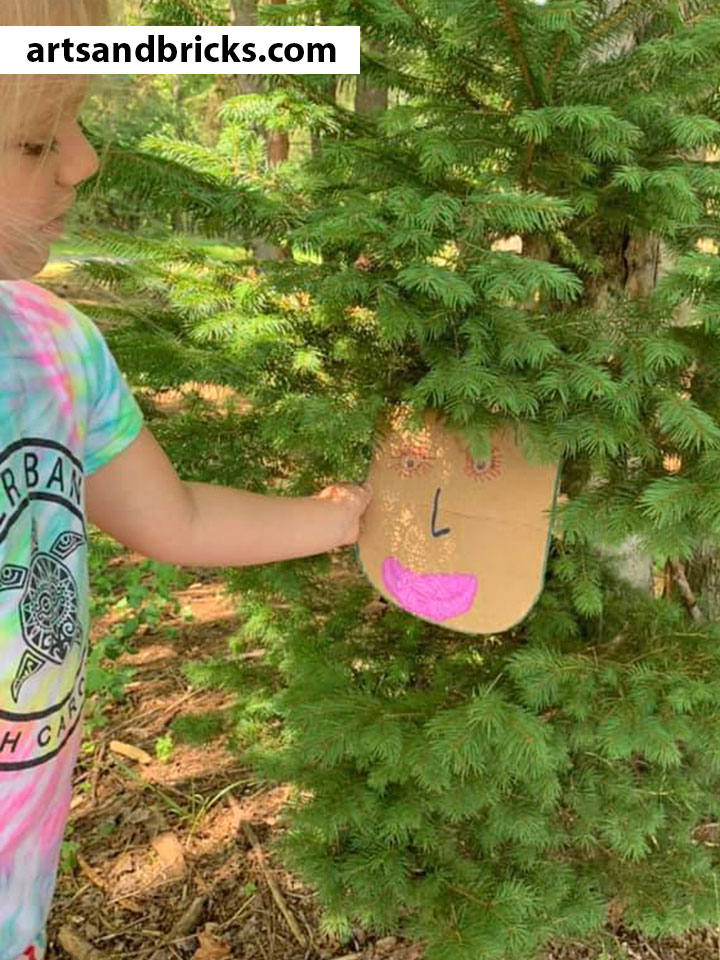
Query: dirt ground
163,866
170,856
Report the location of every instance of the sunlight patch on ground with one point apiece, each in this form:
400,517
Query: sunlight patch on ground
224,399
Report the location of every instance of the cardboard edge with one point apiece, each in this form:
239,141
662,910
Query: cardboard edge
467,633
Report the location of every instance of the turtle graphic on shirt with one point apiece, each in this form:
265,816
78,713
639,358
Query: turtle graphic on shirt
49,605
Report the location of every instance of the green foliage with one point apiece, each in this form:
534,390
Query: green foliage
135,595
479,796
164,747
200,728
487,798
69,850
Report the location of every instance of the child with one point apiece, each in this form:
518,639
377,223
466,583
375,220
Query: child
73,448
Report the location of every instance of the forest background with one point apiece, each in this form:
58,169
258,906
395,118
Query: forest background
512,216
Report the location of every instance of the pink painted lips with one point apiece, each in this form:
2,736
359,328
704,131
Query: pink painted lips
435,596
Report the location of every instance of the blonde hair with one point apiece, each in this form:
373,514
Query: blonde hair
50,13
25,97
37,102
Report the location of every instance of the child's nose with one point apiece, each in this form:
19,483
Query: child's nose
78,159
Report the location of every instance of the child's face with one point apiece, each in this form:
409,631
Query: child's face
40,166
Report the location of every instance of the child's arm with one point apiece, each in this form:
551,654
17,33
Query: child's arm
139,500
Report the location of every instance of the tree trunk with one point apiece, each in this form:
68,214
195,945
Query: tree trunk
633,270
369,99
244,14
178,220
703,574
277,143
316,139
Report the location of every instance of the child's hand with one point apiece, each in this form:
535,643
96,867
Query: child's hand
354,500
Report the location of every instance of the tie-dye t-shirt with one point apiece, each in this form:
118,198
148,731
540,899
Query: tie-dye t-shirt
65,410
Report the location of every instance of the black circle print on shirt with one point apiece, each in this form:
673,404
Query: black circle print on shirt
49,616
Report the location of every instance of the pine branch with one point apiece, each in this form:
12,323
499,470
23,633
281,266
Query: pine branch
200,17
517,45
556,60
393,77
601,30
169,10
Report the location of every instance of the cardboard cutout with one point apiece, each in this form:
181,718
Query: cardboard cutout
452,540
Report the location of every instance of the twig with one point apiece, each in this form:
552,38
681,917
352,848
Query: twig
650,949
97,767
274,889
555,62
90,872
190,918
146,951
77,946
688,597
78,893
183,926
131,721
236,916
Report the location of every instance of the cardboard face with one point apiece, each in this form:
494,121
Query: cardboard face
452,540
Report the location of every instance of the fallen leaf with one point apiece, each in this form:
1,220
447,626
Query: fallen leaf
168,848
132,753
139,815
211,948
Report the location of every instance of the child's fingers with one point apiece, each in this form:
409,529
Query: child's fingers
347,491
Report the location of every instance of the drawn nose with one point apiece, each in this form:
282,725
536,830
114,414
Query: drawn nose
434,532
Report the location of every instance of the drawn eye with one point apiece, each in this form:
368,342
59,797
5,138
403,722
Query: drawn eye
486,469
413,459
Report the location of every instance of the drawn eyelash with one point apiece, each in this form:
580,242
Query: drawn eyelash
412,460
488,469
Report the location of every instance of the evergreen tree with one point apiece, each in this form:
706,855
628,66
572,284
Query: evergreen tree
479,795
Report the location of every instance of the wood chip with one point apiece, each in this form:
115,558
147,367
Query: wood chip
77,946
127,750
